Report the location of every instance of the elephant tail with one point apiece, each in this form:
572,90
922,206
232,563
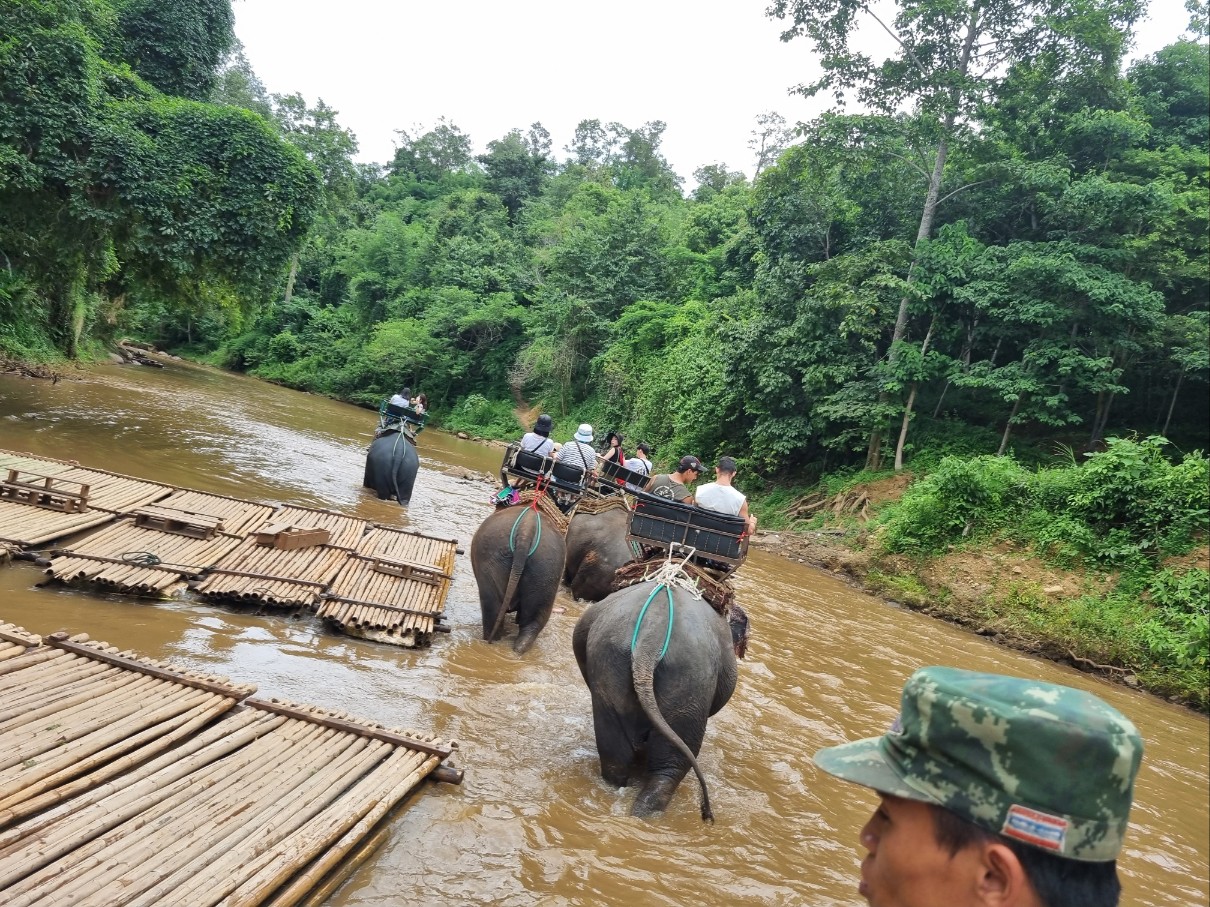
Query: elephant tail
522,542
644,657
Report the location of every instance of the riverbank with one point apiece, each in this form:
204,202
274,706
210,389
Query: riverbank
1008,595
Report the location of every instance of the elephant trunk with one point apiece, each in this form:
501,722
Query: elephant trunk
643,662
520,541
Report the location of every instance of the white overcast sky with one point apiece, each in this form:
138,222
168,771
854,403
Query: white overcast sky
707,68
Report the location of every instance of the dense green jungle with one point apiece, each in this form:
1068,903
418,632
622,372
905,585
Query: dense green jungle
995,277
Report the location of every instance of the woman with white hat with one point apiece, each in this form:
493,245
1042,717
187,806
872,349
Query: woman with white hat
578,451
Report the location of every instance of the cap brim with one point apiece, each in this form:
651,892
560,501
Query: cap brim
864,762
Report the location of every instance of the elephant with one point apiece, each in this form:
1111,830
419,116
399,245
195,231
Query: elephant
517,557
391,466
596,548
658,662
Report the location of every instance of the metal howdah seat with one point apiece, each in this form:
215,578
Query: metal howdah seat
616,475
567,477
526,464
718,540
405,413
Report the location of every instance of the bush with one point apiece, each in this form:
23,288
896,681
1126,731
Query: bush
477,415
958,498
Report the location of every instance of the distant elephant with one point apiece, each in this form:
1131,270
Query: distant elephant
391,466
596,548
517,556
644,678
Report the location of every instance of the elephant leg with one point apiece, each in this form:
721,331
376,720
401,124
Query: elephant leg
614,744
666,765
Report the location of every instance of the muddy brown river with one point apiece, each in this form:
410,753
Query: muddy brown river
533,823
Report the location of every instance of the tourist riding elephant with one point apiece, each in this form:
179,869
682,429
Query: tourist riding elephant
517,555
653,688
596,548
391,466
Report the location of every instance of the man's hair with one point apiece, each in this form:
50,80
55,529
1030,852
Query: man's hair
1058,881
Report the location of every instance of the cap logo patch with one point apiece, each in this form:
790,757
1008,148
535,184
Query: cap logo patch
1039,829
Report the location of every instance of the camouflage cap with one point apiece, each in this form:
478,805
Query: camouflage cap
1044,764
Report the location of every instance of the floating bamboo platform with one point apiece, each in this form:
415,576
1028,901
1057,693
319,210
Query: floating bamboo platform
392,589
148,562
110,494
377,583
126,782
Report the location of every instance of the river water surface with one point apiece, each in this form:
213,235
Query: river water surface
533,824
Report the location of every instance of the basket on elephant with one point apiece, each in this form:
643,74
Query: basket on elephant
717,539
545,504
713,585
392,417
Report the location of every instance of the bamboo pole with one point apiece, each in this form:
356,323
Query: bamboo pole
198,848
325,832
232,733
214,867
79,844
109,762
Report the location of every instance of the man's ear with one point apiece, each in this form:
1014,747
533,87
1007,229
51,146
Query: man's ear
1002,880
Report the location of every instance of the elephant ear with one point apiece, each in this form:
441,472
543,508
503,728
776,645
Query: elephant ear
737,617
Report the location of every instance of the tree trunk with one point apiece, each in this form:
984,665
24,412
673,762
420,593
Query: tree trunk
1008,426
1171,406
290,280
911,400
873,453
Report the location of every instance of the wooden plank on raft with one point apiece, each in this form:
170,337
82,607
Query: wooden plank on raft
287,537
422,573
375,732
178,522
45,491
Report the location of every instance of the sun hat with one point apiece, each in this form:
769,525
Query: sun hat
1047,765
543,425
584,433
726,464
688,462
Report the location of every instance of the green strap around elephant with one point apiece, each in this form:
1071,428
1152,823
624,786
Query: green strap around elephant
639,623
537,535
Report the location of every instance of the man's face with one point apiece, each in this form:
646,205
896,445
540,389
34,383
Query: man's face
905,866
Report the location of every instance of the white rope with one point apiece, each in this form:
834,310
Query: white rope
672,573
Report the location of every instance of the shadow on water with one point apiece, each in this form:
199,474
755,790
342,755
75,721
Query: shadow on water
533,824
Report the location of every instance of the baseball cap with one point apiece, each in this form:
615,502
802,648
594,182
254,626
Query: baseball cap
726,464
1047,765
690,463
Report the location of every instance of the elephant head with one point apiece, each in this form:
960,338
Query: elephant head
517,556
658,661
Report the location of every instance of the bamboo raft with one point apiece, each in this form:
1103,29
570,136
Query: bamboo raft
110,494
392,589
126,782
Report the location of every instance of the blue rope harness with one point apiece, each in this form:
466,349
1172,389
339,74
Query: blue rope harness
513,533
639,623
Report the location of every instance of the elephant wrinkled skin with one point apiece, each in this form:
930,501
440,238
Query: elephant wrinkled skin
644,702
391,467
517,557
596,548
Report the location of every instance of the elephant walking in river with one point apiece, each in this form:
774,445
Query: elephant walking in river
596,548
517,557
658,662
391,467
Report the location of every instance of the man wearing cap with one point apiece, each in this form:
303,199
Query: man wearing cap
674,485
578,451
721,496
995,791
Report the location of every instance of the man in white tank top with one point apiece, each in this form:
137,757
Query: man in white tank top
722,497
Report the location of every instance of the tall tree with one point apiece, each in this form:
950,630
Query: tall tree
947,59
